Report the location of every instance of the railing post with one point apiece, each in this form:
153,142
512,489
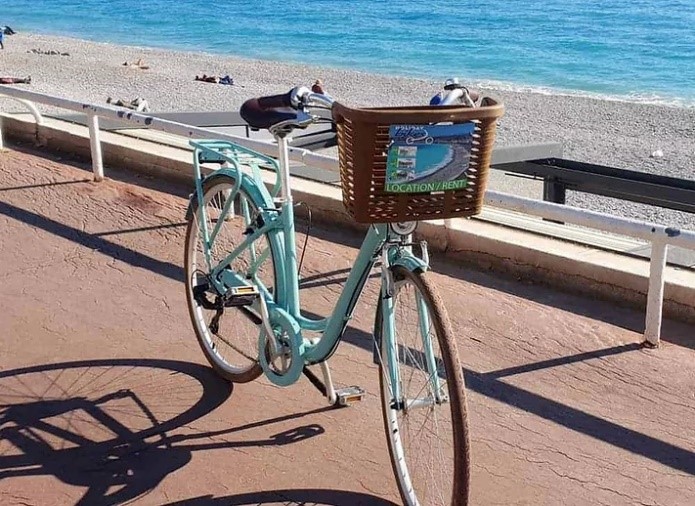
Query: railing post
95,144
554,191
655,295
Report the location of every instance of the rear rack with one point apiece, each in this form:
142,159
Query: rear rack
239,157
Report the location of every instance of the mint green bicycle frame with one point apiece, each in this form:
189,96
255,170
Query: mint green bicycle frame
278,225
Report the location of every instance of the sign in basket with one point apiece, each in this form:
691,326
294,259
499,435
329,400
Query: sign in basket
428,158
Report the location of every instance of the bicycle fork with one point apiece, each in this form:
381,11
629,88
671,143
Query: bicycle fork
389,332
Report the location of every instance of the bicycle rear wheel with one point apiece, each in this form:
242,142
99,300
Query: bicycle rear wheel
228,336
426,425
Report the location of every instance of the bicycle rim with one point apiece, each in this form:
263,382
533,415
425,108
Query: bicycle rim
231,343
427,432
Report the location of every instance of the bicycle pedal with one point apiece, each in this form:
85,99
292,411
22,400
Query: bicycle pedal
348,395
241,296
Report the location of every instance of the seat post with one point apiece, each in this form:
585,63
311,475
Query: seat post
284,159
287,211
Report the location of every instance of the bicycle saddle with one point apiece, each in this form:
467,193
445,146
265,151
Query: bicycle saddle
265,112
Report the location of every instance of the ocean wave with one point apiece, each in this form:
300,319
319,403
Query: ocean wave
638,98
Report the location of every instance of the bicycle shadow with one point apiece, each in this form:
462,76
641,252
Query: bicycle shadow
289,497
102,429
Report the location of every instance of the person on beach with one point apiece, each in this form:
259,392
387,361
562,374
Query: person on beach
206,78
214,79
15,80
317,87
138,104
138,64
49,52
2,37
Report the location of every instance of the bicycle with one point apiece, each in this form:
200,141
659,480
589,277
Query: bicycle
241,259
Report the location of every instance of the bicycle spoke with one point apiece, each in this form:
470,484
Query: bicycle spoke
234,352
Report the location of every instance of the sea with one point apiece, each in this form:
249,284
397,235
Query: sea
634,50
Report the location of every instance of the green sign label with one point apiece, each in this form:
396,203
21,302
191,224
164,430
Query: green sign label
428,158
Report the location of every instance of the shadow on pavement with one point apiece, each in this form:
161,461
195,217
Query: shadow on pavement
105,425
42,185
152,182
318,497
92,241
163,226
329,278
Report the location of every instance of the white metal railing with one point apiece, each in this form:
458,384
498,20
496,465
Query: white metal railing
94,112
29,105
659,236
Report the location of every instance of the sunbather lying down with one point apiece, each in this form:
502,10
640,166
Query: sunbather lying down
137,104
15,80
214,79
138,64
48,52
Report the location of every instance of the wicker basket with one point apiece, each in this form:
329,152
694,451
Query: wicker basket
363,144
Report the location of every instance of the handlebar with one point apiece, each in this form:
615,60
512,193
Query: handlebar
302,97
454,93
289,110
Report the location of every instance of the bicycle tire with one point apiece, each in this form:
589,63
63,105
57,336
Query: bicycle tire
213,186
412,491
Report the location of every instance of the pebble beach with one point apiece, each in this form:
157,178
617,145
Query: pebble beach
658,139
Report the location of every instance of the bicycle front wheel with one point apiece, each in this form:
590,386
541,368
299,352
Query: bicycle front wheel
425,415
228,336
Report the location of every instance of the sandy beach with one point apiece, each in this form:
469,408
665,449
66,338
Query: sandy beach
609,132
